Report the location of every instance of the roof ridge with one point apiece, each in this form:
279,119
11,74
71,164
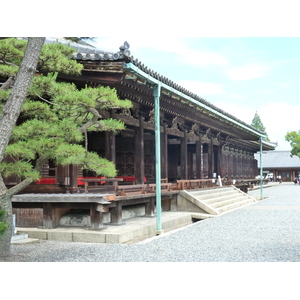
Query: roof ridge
124,54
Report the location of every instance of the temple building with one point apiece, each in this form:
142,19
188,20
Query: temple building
197,139
169,130
279,163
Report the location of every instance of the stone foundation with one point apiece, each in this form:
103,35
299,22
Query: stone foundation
81,218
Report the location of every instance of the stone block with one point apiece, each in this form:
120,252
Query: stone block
66,236
112,238
133,211
173,206
37,234
149,231
89,237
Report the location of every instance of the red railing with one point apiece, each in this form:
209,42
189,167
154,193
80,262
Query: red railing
79,182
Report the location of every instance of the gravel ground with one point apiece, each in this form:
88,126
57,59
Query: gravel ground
267,231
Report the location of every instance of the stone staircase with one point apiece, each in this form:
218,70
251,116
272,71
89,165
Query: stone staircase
216,201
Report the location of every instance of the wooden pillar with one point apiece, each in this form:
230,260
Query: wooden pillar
191,167
240,165
139,159
184,160
150,207
73,179
49,220
220,161
116,214
230,165
244,165
199,158
62,175
110,146
164,153
224,166
96,217
234,160
210,158
251,169
110,149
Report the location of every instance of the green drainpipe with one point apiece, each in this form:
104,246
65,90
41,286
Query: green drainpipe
261,171
156,94
158,85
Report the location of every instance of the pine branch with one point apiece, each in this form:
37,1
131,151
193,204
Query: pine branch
8,83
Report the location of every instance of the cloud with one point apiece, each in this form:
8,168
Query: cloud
202,88
279,118
248,72
202,59
267,92
243,113
176,46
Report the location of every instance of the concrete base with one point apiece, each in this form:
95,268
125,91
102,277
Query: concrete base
135,230
17,237
25,241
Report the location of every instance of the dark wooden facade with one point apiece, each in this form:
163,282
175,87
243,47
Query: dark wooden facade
198,140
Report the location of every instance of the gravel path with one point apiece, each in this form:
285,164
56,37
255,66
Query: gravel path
267,231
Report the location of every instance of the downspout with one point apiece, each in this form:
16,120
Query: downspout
158,85
156,94
132,68
261,171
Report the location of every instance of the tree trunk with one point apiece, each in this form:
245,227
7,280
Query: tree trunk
19,91
8,120
5,237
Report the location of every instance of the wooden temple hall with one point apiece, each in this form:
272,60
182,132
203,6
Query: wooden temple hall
197,139
190,140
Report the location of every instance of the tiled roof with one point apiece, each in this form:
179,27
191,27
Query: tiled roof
90,53
278,159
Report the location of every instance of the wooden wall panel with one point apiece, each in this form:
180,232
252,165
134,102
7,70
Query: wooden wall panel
28,217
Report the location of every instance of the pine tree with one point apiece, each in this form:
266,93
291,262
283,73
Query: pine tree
19,80
54,120
3,225
257,123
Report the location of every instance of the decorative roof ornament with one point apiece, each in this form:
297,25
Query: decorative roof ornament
124,49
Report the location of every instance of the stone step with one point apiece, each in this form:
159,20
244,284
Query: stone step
189,197
219,200
25,241
209,192
217,194
233,206
201,216
222,203
20,236
216,199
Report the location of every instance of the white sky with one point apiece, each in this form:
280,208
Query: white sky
242,56
238,75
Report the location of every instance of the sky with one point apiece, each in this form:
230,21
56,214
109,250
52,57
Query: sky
241,75
242,56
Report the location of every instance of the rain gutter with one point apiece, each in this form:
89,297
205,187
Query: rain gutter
131,67
261,170
156,94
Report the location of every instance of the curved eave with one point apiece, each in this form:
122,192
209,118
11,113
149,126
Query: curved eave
182,97
267,146
270,145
